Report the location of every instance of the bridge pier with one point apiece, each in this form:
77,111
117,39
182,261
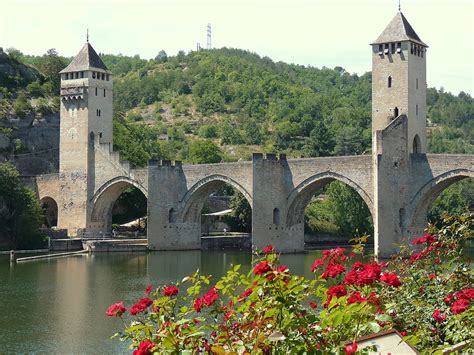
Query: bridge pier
272,182
166,228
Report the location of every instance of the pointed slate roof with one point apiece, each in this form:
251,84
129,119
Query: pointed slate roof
399,30
86,59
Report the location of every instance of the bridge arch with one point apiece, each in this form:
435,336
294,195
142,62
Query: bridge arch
195,197
104,199
302,194
50,211
427,194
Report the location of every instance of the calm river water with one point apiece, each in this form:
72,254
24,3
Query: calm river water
58,305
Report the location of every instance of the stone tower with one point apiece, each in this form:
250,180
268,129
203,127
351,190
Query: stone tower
85,121
399,81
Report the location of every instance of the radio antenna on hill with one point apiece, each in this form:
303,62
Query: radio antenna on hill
209,43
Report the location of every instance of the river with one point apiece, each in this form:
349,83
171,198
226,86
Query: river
58,305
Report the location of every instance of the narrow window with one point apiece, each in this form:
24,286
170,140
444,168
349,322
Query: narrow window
417,109
67,76
93,75
416,83
395,111
104,91
422,50
411,48
172,216
100,134
76,75
399,45
389,81
103,76
95,91
107,77
393,48
416,145
380,48
276,216
401,214
82,74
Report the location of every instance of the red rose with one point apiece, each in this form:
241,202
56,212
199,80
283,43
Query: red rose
170,290
268,249
227,315
467,294
416,257
460,306
145,348
439,316
333,271
262,268
391,279
208,299
117,309
403,334
373,299
281,269
355,297
141,306
427,238
337,291
313,305
358,266
363,274
317,264
148,289
449,298
351,348
246,293
432,276
211,296
198,305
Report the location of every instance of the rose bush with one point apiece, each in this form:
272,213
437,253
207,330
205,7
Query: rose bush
424,292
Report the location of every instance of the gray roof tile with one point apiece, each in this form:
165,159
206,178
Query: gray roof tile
399,30
86,59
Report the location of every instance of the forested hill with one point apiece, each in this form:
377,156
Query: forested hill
246,103
187,106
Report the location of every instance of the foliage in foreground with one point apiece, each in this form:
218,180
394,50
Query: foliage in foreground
20,213
424,293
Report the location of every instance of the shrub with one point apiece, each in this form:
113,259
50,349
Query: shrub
21,106
35,89
43,107
426,295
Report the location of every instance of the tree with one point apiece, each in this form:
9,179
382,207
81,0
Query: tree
320,141
50,65
204,151
20,211
240,219
350,212
455,200
162,57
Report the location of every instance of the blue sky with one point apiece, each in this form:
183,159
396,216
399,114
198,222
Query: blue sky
318,32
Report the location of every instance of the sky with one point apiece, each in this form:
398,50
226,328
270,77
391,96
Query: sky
309,32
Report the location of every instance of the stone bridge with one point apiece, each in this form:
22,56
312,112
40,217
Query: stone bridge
397,186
